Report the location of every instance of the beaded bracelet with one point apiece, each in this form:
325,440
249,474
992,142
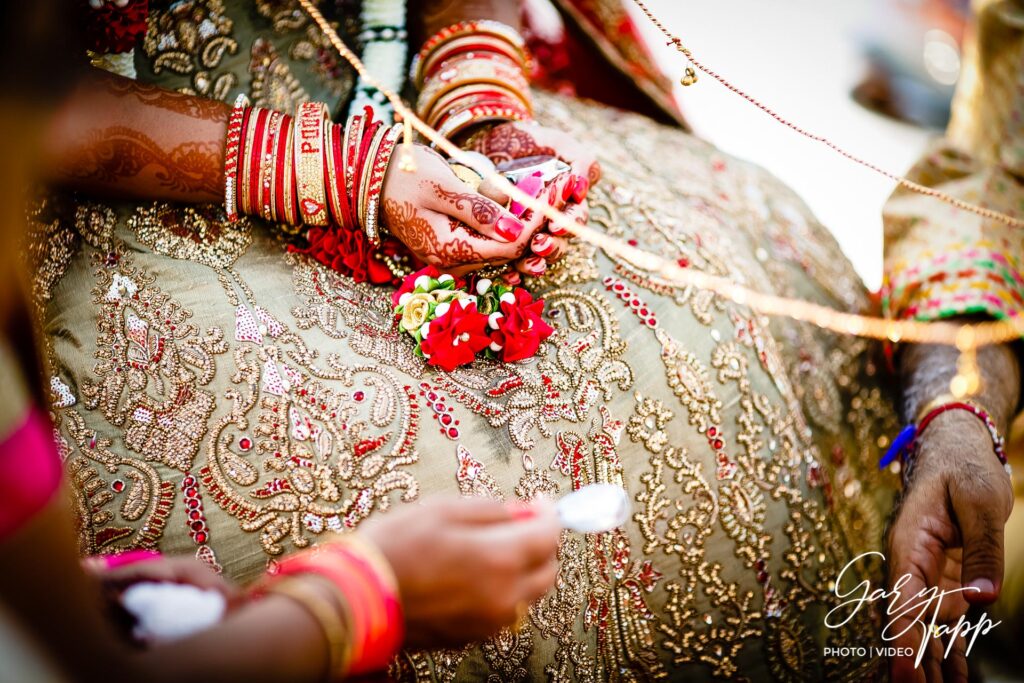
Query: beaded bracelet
904,446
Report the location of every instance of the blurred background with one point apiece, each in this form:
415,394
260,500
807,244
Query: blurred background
874,76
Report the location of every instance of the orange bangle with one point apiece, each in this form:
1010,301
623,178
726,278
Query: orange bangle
309,162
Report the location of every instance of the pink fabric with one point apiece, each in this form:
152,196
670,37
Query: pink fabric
130,557
29,472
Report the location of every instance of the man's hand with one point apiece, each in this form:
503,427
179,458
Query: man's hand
948,532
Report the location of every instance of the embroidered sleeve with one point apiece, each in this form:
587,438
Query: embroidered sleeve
940,261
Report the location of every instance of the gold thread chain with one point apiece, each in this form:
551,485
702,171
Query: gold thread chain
675,41
966,337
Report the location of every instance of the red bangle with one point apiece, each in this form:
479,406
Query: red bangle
998,443
267,162
905,446
279,181
336,177
253,155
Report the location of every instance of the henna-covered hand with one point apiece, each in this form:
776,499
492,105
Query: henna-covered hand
516,140
446,224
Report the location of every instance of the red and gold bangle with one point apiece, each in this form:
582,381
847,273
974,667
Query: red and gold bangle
253,154
369,593
477,27
441,119
336,197
277,179
267,161
309,162
471,94
370,140
473,47
469,72
353,137
286,210
371,223
232,148
481,114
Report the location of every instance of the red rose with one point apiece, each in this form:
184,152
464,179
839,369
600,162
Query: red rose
110,29
521,329
456,337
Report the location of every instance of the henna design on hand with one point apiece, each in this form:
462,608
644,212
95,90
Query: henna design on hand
484,211
120,152
179,103
416,233
507,142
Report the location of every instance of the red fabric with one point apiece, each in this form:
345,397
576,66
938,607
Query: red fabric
29,472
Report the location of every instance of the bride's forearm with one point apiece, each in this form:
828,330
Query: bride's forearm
119,138
437,14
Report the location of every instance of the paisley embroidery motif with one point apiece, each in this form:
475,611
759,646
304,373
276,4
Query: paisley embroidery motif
152,363
191,38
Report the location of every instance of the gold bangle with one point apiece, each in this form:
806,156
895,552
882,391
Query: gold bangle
309,162
339,650
333,196
289,212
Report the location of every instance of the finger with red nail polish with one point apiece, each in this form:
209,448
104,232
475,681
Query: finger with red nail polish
542,244
508,228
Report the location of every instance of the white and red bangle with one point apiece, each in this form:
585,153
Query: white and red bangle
232,144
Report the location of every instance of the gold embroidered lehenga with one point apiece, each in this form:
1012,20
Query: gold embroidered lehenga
217,396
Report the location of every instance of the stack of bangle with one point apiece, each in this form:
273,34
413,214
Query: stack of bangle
471,73
364,628
307,170
904,446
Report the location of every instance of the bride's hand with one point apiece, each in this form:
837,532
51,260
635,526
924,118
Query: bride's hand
516,140
446,224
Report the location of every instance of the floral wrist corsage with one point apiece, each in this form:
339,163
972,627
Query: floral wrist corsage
453,320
